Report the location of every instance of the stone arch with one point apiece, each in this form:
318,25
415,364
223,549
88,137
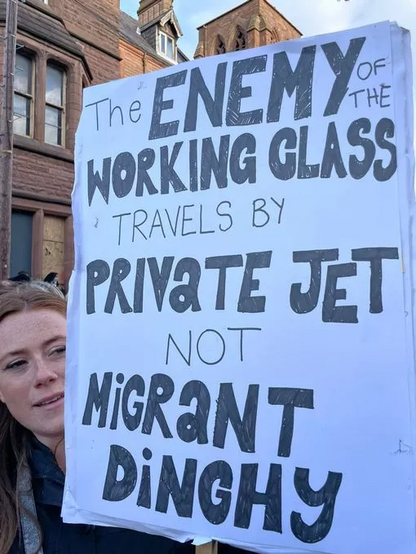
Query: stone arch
219,45
240,40
274,35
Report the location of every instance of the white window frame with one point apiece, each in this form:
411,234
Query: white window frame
29,96
58,107
174,50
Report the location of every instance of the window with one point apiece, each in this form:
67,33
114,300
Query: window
23,95
53,245
167,46
220,46
240,39
21,243
275,36
54,110
39,234
41,116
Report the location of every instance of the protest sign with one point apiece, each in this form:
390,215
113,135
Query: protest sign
240,356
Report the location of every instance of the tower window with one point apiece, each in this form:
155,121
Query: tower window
240,39
220,46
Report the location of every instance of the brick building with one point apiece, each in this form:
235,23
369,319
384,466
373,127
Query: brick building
150,42
62,47
251,24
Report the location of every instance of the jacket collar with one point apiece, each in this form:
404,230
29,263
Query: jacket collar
47,477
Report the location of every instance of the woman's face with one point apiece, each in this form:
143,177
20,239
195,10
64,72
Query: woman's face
32,371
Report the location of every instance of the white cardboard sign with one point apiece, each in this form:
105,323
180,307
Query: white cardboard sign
240,359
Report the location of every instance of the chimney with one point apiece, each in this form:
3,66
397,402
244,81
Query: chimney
150,9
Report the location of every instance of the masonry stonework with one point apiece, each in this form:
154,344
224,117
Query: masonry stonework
251,24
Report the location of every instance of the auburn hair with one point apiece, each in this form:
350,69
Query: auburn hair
14,438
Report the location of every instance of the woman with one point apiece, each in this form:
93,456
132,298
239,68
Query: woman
32,454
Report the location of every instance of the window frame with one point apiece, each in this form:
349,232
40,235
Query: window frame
51,63
39,208
164,53
14,242
240,39
220,45
27,96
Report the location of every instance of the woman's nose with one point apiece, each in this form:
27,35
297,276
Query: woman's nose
44,372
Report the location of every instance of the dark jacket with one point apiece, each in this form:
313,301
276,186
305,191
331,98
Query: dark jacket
62,538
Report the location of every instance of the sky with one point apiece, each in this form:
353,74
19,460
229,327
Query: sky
311,17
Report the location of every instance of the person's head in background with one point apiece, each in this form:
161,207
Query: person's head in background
32,376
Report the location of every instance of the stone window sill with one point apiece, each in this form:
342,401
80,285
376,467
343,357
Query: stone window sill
32,145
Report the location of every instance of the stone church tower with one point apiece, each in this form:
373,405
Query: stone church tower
253,23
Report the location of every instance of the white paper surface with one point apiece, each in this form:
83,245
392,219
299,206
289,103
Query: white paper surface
348,361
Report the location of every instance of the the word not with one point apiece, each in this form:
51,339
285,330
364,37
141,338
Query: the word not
209,355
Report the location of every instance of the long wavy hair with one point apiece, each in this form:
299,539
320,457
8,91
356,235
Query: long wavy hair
14,438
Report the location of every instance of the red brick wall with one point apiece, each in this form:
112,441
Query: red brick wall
34,169
136,62
45,173
95,20
41,175
276,22
95,25
226,26
103,67
150,9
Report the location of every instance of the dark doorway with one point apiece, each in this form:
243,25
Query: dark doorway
21,242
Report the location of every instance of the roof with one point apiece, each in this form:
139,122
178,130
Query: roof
239,6
182,57
283,17
128,31
163,18
45,26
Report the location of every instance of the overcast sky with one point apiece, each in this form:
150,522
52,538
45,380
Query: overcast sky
309,16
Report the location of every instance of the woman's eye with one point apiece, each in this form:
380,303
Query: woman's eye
58,350
18,364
